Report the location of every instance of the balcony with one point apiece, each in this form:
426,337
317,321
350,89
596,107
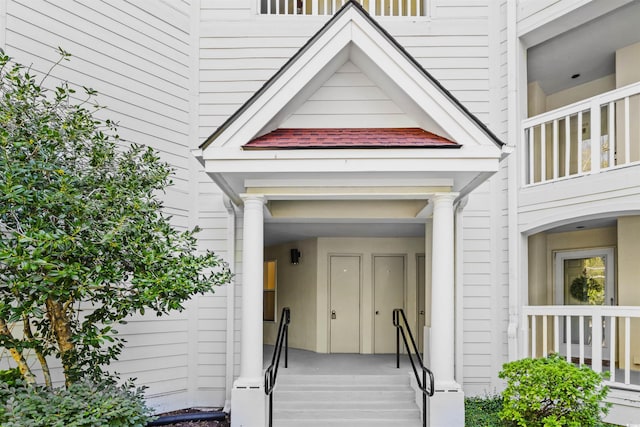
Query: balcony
568,330
377,8
588,137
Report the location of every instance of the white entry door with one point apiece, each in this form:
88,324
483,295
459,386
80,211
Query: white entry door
344,307
388,288
584,277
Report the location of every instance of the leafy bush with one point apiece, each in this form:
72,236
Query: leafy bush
83,404
552,392
482,411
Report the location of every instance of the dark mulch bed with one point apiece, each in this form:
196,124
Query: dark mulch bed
208,423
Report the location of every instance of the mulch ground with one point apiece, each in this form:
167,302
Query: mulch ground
209,423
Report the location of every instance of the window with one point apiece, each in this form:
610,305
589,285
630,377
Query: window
269,292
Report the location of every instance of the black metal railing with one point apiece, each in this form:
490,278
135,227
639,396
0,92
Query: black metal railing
271,374
402,329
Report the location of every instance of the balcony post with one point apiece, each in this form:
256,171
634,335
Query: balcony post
596,340
595,135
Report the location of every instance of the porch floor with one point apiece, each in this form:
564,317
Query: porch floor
311,363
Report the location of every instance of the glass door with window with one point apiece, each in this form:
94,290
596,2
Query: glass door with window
584,277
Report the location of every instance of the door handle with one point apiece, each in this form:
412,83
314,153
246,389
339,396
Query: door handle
333,314
422,312
377,312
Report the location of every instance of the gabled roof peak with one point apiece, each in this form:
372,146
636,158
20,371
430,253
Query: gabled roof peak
334,37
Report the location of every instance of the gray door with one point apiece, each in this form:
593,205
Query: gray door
344,310
388,284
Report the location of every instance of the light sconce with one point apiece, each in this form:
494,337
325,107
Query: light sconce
295,256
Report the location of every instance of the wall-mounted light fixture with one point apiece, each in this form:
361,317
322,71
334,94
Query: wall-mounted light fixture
295,256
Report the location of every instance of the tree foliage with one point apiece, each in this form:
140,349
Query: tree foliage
551,392
84,242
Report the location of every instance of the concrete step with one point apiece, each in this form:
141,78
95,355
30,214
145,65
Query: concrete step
401,378
329,395
345,400
359,405
381,413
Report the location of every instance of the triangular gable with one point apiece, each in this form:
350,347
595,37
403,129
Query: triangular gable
351,35
349,98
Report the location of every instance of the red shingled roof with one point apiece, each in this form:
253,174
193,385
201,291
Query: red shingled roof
294,139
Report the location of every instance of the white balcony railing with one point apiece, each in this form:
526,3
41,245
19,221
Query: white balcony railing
412,8
568,330
560,144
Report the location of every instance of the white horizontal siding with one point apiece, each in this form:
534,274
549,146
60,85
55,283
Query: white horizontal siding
227,9
459,9
237,58
478,283
137,57
211,323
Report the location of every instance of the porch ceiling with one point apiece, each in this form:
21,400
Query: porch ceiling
553,62
279,231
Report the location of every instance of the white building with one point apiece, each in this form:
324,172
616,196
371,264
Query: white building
443,146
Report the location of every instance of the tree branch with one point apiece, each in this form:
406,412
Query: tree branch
17,355
43,361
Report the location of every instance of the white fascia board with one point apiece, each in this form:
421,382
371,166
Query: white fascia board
312,155
340,182
429,97
197,153
354,165
349,196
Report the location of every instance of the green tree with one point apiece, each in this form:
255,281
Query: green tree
81,226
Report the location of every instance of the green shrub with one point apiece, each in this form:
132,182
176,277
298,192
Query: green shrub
81,405
552,392
482,411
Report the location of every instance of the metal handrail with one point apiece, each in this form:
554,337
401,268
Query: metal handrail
398,316
271,374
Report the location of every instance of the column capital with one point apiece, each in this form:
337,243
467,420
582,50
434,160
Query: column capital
248,197
445,196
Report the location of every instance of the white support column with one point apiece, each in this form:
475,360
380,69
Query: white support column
442,290
446,407
247,397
